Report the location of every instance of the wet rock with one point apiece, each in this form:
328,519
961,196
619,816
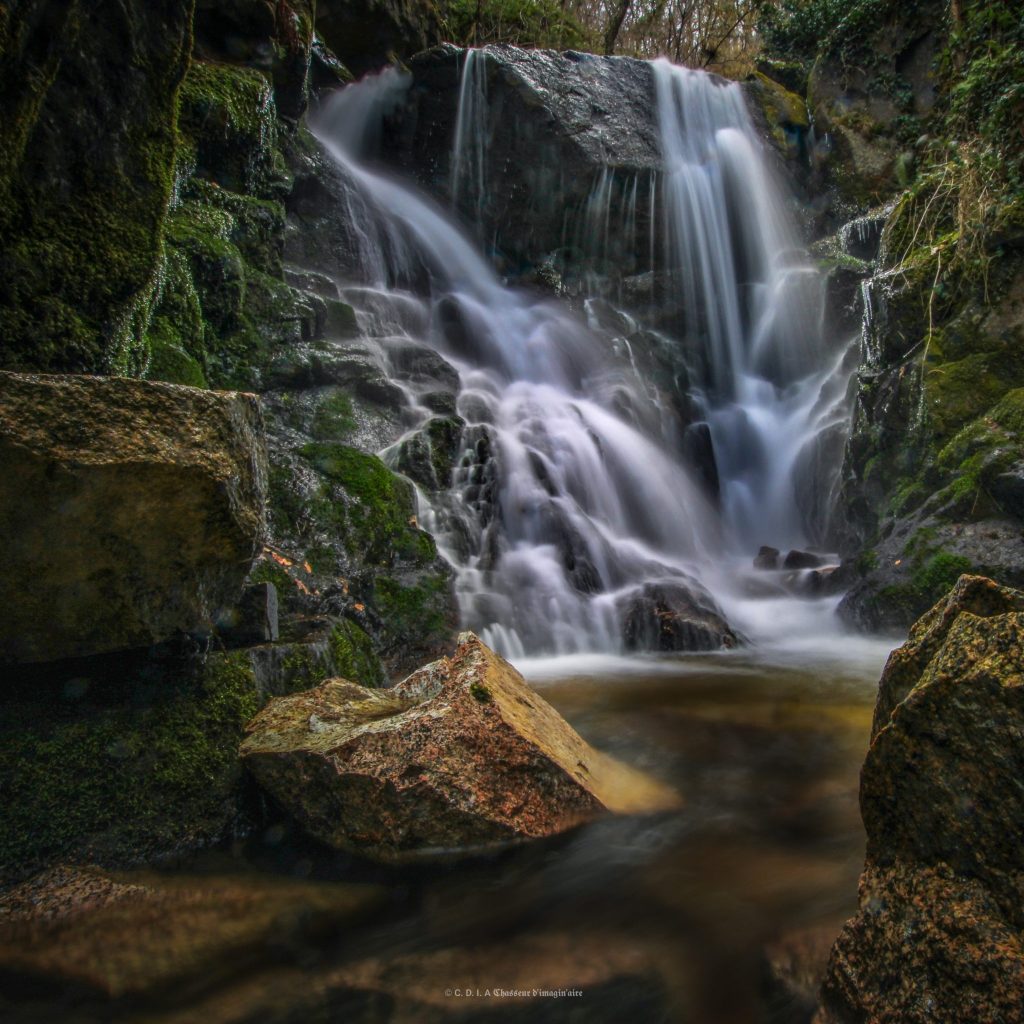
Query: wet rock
80,221
766,558
254,619
574,113
802,560
81,931
132,511
674,617
428,456
923,556
699,451
940,932
462,754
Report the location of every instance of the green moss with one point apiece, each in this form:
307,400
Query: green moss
227,113
169,361
334,418
125,781
939,573
80,223
480,693
929,582
957,392
419,609
353,655
368,504
268,571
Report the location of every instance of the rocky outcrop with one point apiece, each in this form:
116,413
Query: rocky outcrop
461,754
937,438
80,222
590,126
133,511
940,933
575,114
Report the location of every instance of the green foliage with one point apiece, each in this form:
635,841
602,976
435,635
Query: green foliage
528,23
803,29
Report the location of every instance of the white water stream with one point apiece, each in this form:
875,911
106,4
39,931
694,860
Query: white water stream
571,494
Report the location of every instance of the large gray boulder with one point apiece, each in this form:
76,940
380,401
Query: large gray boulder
131,511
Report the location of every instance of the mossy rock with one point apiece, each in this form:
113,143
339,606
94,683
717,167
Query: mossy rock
142,769
370,507
88,146
228,119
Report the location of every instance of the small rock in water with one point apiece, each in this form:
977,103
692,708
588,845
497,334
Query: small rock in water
803,560
766,558
461,754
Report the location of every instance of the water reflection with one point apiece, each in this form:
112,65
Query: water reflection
658,919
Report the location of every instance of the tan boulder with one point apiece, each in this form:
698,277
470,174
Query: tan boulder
461,754
130,511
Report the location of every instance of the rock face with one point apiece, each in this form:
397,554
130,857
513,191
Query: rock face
80,222
940,933
574,113
460,754
136,510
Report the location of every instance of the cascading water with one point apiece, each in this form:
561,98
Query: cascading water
750,296
570,497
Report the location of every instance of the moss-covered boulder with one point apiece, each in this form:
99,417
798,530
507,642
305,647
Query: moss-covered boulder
132,511
88,140
940,932
352,523
461,754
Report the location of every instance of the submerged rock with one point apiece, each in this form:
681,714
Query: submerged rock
940,933
132,511
461,754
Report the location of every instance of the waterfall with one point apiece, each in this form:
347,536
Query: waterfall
570,500
751,298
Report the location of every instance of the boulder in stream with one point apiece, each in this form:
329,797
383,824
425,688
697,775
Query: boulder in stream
131,511
940,932
674,617
461,754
